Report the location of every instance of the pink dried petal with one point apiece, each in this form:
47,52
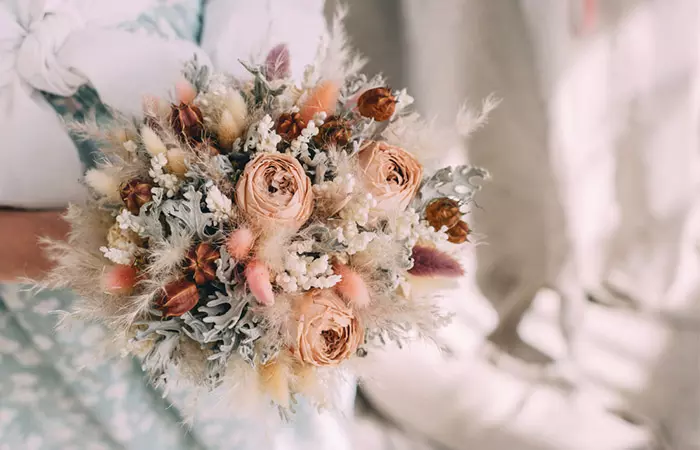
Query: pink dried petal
322,98
258,277
119,279
239,244
431,262
277,62
351,286
184,91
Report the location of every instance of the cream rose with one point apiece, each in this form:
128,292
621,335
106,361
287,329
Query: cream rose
327,331
390,174
274,190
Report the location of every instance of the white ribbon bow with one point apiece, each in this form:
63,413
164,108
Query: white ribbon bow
58,46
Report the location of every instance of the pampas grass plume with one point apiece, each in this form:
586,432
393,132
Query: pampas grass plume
154,145
274,381
119,279
103,183
239,243
176,161
322,98
351,286
233,119
258,277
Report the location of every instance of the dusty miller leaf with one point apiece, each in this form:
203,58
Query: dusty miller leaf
453,182
188,212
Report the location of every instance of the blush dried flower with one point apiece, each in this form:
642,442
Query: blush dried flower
274,191
327,332
390,174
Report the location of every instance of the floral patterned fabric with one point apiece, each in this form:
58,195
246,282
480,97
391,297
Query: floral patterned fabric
56,392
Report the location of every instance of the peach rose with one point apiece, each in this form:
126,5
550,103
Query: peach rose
327,331
391,175
274,190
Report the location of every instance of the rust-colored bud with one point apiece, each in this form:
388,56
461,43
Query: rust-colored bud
334,131
187,121
135,194
377,104
442,212
200,263
290,126
459,233
178,297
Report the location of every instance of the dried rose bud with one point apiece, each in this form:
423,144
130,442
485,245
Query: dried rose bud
442,212
459,233
178,297
200,263
334,131
187,121
135,194
377,104
290,126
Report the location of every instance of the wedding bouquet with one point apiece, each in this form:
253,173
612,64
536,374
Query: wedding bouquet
259,233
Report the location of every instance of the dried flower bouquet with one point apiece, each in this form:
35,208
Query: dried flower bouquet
259,233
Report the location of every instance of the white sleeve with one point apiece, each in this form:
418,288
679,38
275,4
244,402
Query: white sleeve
69,44
243,30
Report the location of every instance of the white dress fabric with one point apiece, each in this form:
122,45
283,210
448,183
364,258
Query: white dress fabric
594,160
56,47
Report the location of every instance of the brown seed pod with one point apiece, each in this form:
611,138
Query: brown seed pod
459,233
135,194
290,126
178,297
442,212
334,131
200,263
187,121
378,104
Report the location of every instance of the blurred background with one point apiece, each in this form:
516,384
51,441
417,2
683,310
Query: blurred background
579,325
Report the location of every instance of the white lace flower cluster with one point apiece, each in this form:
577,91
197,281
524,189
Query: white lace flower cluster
262,137
129,222
356,214
300,144
341,186
403,100
220,205
118,255
121,249
168,181
304,272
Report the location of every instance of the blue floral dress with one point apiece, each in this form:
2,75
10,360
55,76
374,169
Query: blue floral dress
56,392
